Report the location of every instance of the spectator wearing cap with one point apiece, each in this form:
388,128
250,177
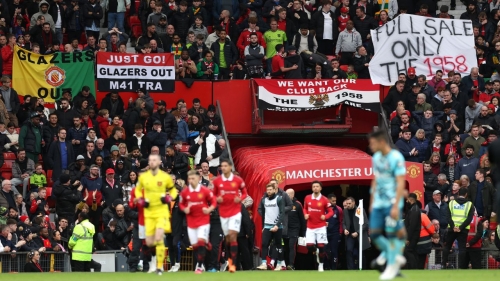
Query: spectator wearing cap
436,209
482,194
206,148
122,170
22,169
139,140
157,137
78,168
30,137
168,123
225,54
349,39
67,197
60,155
304,40
325,26
292,60
156,15
212,121
111,189
92,185
411,78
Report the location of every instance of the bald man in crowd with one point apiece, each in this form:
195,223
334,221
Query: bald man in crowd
296,229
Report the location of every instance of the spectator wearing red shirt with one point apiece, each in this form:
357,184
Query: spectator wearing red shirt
278,63
244,39
8,55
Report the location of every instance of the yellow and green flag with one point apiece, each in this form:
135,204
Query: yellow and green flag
47,76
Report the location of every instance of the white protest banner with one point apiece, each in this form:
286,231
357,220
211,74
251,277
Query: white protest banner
428,44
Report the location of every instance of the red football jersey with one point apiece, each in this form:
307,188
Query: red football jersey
140,209
342,22
229,188
198,198
315,208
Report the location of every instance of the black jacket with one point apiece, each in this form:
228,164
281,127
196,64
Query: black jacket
360,68
390,102
53,160
65,117
15,103
182,22
438,213
75,173
168,124
413,221
488,196
230,52
145,144
74,19
179,163
49,134
92,15
364,26
31,267
111,193
296,221
296,73
67,197
79,98
133,118
53,13
318,25
107,104
247,227
122,235
431,184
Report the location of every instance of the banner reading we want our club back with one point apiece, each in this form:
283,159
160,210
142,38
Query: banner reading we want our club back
47,76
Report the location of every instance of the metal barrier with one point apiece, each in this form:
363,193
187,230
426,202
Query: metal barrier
488,260
224,132
49,261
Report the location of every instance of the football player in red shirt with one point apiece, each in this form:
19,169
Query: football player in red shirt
317,209
197,202
229,189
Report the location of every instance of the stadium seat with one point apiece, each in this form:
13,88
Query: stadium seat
7,165
65,38
344,67
49,178
18,130
83,38
185,147
210,29
51,200
9,156
136,30
6,175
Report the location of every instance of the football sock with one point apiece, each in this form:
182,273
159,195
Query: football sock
234,250
160,255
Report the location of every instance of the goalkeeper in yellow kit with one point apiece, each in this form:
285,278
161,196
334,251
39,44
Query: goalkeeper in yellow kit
158,189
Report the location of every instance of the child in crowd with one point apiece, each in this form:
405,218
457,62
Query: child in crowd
38,178
351,74
39,205
103,120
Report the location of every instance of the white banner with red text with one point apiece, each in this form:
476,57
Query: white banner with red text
304,95
129,72
427,44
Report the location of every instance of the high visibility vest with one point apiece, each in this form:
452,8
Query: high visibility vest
473,231
81,241
424,244
459,212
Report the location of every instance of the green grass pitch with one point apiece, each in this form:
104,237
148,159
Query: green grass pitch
369,275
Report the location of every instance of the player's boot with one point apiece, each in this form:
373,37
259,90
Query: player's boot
279,268
232,267
175,267
320,267
199,269
290,267
159,272
263,266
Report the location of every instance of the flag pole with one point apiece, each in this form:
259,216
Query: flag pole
359,214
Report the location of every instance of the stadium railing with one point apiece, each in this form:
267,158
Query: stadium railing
384,124
49,261
488,260
224,132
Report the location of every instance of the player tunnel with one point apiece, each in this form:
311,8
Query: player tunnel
296,166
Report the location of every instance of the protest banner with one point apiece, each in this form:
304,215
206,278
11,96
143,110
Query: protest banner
304,95
129,72
428,44
48,76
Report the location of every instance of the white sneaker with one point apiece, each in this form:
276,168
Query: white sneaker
320,267
176,267
223,267
263,266
390,272
152,265
278,267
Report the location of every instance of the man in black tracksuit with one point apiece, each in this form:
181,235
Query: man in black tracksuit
216,237
412,225
296,229
246,230
174,239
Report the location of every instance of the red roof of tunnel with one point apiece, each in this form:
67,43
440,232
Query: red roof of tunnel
257,163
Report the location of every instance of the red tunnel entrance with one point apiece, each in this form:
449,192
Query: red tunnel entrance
299,164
